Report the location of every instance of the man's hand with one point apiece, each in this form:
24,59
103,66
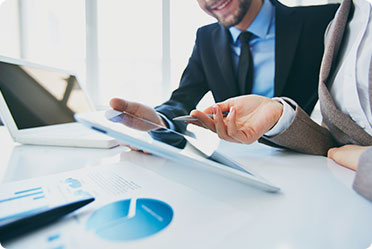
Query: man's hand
138,110
347,155
250,117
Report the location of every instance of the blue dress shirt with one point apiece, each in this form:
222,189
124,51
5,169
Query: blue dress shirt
262,48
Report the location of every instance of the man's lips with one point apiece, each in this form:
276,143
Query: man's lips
220,5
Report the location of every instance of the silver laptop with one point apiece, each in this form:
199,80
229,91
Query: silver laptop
38,103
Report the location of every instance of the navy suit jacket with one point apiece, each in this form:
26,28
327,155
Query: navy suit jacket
298,52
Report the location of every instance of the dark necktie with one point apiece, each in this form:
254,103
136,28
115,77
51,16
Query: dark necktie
245,68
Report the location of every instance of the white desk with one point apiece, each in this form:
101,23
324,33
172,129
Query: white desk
316,209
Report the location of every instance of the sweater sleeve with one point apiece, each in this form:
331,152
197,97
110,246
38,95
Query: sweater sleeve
363,179
302,135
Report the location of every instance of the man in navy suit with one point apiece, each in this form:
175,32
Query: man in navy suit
285,50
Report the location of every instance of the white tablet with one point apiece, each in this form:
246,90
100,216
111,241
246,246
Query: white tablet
111,124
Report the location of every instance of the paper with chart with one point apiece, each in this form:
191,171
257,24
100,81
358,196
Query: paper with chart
26,199
134,208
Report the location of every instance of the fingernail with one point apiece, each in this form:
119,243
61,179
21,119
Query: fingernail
214,110
232,109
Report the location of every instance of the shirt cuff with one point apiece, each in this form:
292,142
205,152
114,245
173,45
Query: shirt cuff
284,121
170,124
167,136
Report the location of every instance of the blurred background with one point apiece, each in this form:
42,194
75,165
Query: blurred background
131,49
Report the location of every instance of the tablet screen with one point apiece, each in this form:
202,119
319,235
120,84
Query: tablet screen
206,146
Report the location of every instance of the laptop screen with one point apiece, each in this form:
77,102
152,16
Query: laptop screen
38,97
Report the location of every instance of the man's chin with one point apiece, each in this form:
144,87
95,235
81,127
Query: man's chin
228,24
231,20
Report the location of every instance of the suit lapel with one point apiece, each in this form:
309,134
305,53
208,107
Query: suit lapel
370,82
287,33
222,39
370,85
334,39
343,128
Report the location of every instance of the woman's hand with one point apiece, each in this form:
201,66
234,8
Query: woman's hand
347,155
249,117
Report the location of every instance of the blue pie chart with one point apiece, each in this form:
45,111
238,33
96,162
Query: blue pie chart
130,219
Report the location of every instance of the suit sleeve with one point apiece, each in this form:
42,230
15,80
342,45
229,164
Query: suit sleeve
192,88
363,179
302,135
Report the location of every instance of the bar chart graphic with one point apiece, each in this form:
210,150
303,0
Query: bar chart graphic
22,203
130,219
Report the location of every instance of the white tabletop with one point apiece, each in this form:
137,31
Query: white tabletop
317,207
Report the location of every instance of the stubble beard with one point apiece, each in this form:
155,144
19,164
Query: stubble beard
237,16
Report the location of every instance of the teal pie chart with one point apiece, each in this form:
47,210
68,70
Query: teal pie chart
130,219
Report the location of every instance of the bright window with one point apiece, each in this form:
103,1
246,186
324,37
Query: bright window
136,49
130,50
9,27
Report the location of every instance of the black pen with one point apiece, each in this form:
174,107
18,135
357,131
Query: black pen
10,229
190,118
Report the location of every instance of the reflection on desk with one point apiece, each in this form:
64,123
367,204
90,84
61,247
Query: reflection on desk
27,161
